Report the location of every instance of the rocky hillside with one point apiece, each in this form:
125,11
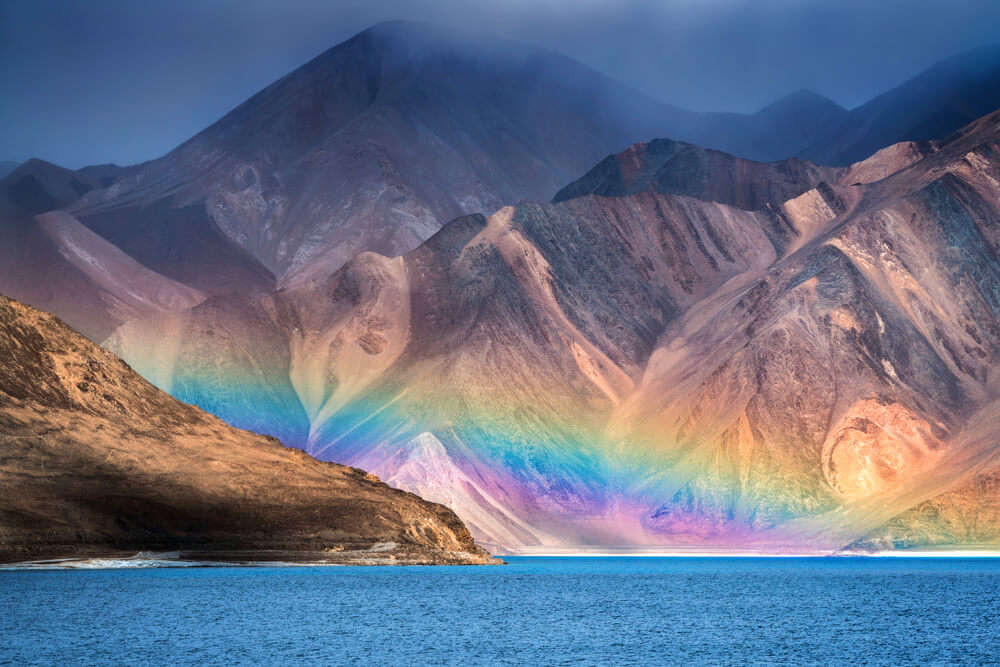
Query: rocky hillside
95,460
787,357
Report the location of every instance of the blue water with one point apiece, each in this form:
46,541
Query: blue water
572,611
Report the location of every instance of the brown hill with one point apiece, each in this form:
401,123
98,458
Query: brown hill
95,460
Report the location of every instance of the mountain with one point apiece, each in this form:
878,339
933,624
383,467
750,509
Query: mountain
930,106
375,143
372,145
780,130
794,120
96,460
37,186
686,348
682,347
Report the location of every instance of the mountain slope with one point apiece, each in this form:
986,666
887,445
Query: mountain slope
54,262
96,460
653,366
373,143
929,106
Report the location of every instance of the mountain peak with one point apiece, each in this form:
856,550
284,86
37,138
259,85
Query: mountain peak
408,27
413,42
675,167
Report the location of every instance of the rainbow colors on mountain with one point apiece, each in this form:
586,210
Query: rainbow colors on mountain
644,368
681,349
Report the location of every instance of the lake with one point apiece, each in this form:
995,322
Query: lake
559,611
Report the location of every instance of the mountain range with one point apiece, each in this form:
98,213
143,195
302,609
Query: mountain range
376,143
703,339
646,365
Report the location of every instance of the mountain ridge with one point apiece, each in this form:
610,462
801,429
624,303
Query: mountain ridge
485,118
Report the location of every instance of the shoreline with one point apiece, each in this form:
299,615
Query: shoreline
880,554
186,560
128,560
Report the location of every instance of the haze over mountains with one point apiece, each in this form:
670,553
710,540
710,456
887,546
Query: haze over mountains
932,105
666,344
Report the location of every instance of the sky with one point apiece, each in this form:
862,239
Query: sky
94,81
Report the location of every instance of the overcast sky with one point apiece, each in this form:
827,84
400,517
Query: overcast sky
126,80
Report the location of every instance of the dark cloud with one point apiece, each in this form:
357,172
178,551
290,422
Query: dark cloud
125,81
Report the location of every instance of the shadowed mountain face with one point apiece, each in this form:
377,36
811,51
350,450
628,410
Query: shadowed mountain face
930,106
97,460
783,357
672,167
